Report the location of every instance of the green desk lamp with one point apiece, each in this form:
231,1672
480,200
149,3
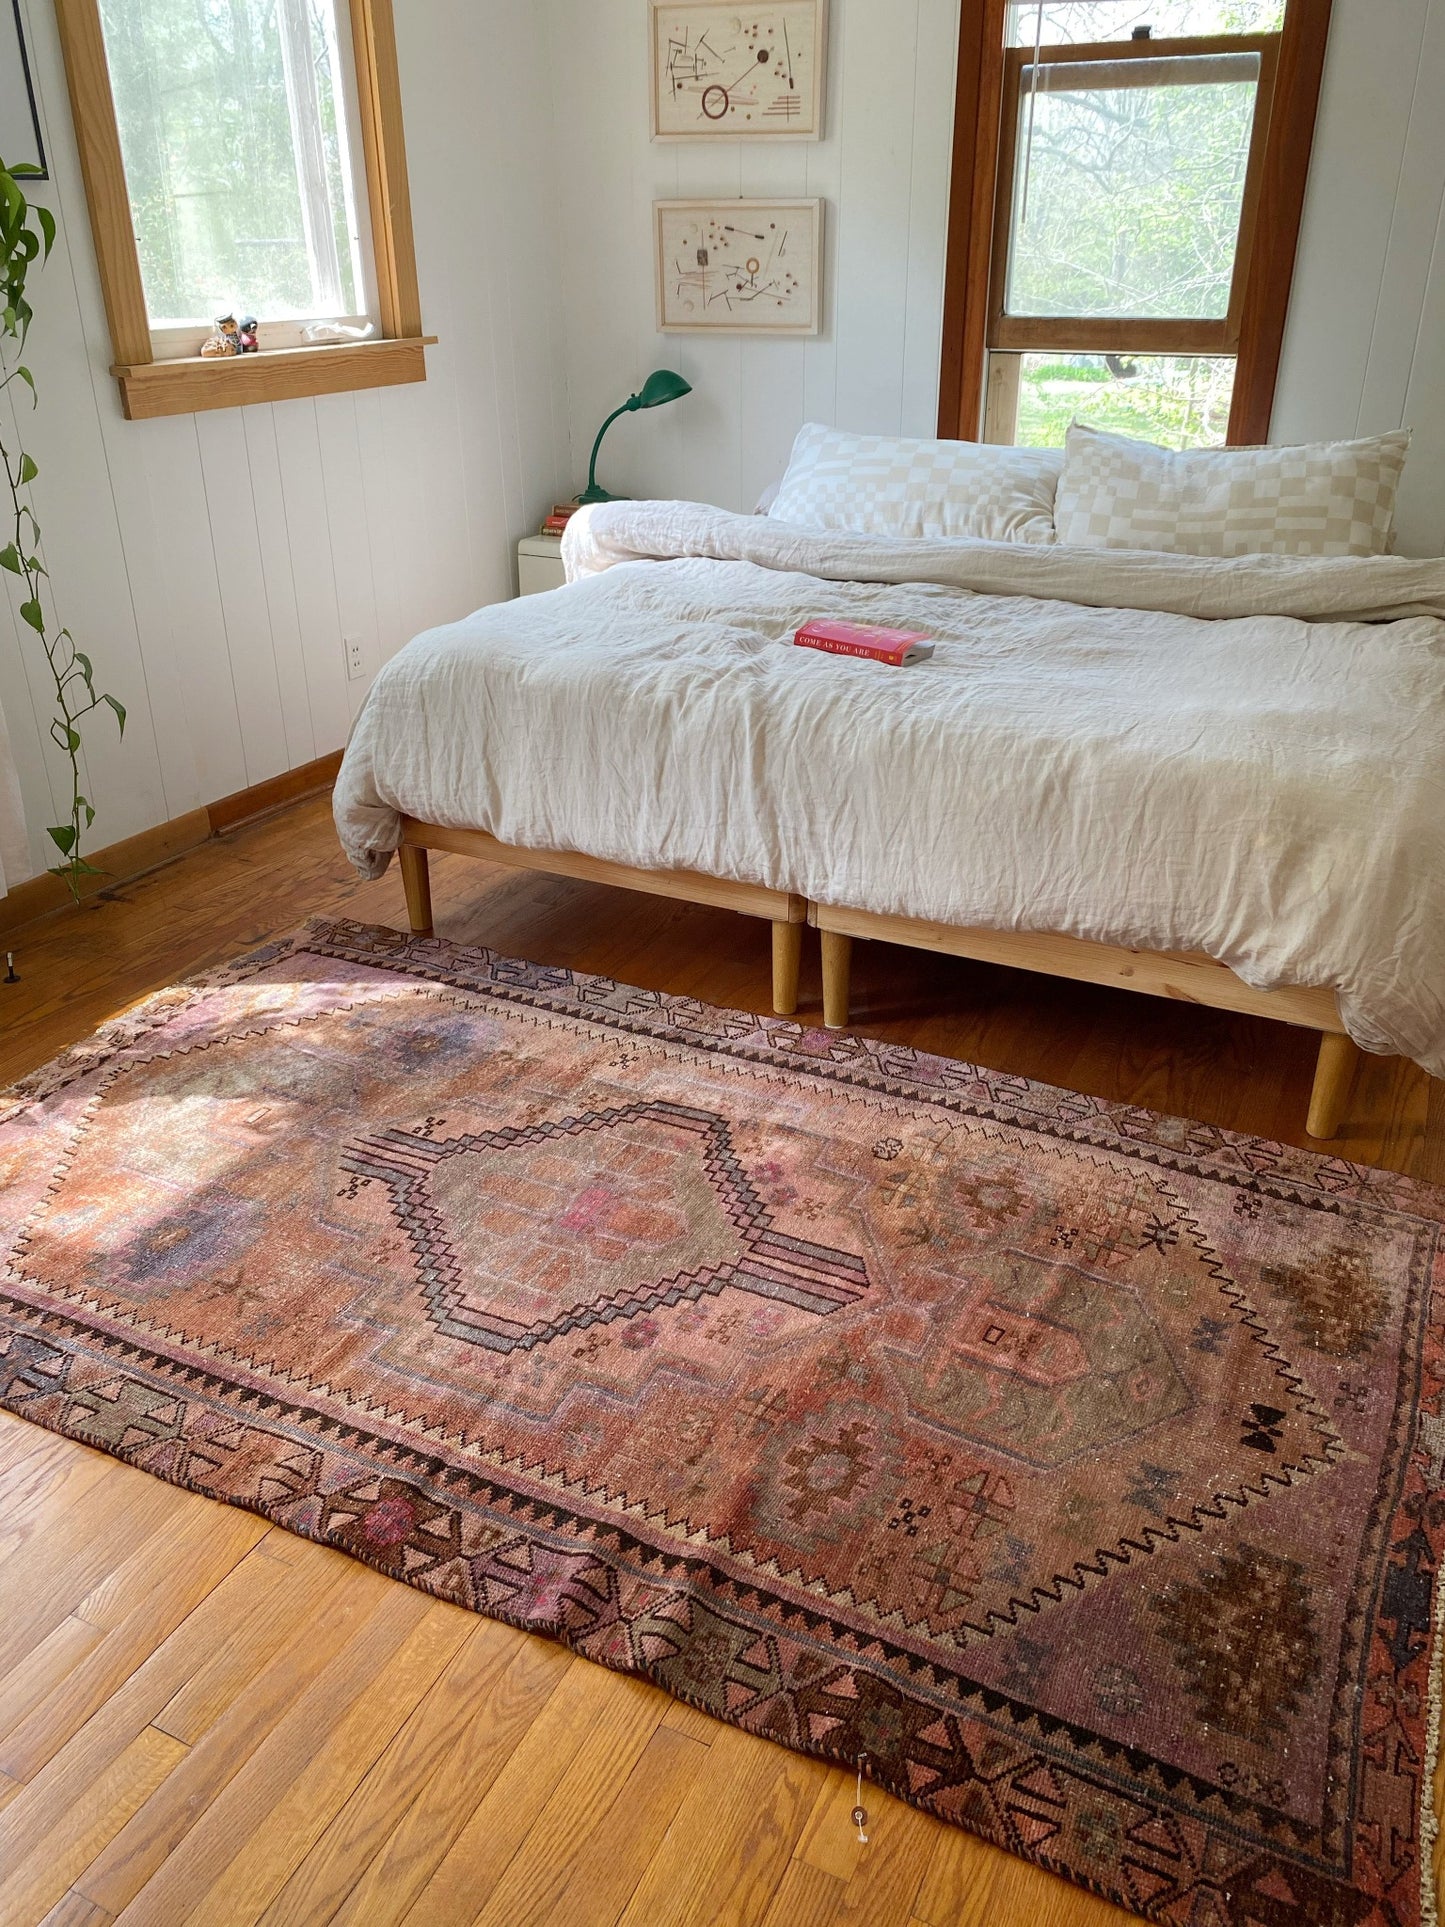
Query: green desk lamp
661,386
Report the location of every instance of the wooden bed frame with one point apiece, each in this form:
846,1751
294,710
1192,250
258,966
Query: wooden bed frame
787,914
1188,976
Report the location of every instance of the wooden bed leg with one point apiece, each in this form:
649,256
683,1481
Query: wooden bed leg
787,959
1333,1072
837,962
416,880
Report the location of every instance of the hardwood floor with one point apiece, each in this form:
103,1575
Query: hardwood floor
203,1719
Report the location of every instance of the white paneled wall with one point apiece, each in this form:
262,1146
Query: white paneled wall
1365,348
1365,345
212,564
882,171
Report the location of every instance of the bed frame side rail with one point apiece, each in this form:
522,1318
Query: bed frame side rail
787,913
1186,975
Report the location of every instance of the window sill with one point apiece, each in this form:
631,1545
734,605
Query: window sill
196,382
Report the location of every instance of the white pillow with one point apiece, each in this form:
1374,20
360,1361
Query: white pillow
889,485
1324,498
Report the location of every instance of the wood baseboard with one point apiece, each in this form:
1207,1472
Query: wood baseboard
132,856
36,896
244,806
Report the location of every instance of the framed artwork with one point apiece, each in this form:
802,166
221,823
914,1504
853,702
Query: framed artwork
19,116
739,267
722,72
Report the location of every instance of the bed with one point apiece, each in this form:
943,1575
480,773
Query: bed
1213,778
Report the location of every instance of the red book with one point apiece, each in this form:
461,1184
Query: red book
898,647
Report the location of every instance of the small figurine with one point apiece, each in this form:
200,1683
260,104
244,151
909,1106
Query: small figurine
225,340
247,343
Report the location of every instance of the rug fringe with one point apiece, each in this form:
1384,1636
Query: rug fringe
1429,1822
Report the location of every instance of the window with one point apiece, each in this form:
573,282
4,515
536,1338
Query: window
1103,264
238,134
1070,21
1182,401
245,159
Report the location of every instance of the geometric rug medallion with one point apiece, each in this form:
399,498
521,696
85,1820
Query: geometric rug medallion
1081,1468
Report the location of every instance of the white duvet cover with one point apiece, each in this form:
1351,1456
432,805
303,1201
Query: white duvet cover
1242,756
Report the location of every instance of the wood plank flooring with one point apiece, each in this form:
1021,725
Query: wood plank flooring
203,1719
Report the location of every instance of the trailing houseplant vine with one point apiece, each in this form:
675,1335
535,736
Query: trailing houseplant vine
27,234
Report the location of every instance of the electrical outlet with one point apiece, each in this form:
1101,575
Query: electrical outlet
355,658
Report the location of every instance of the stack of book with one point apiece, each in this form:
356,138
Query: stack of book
558,517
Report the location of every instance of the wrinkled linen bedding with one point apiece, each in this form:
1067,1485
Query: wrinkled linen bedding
1243,756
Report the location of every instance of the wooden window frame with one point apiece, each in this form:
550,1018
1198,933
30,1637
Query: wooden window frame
1176,335
980,206
191,383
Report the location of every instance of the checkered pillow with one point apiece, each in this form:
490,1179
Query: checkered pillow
1326,498
889,485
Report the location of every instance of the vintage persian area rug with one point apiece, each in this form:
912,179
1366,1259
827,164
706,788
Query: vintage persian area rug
1082,1468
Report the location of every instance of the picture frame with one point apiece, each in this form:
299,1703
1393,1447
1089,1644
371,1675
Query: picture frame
738,267
729,73
20,137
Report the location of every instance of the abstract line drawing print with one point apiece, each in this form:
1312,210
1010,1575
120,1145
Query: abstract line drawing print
738,266
718,70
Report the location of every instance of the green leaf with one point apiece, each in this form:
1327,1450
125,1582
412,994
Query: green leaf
63,837
47,228
26,376
21,169
31,612
10,558
89,812
28,469
119,709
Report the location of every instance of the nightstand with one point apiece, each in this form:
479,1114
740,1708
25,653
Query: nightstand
539,564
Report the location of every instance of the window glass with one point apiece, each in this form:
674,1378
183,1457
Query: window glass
1128,183
237,155
1181,401
1071,22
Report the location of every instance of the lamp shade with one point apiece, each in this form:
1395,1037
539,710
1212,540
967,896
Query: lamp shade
662,385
